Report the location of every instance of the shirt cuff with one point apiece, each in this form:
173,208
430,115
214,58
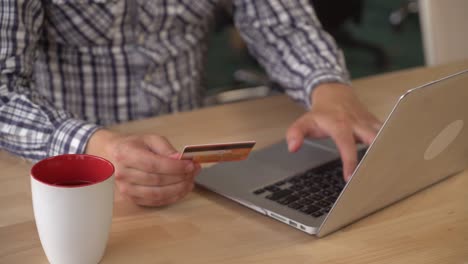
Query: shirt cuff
323,77
71,137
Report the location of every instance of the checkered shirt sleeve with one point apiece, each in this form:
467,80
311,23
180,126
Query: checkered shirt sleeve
288,40
29,125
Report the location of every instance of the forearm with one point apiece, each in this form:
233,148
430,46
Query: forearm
30,126
36,132
290,43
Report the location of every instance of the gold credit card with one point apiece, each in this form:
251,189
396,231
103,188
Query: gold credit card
220,152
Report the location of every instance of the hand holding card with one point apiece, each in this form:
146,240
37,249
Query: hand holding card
220,152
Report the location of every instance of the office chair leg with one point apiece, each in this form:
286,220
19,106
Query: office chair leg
398,16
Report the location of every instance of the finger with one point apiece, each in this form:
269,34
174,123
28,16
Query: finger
344,139
365,133
294,138
156,193
134,176
167,165
296,133
162,202
151,203
137,157
377,125
373,122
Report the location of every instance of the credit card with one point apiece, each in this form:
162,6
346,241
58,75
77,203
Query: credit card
219,152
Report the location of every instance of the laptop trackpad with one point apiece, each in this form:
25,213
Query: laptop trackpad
310,155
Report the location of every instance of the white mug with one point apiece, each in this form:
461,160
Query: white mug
73,198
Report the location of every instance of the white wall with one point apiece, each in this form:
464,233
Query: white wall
444,26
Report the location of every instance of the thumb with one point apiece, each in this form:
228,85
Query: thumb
175,155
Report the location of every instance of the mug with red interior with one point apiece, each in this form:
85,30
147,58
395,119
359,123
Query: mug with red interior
73,197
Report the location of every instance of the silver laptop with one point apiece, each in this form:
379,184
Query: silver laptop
423,141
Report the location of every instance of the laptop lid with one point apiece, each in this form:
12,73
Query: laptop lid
423,141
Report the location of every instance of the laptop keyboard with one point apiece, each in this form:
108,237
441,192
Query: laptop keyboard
312,192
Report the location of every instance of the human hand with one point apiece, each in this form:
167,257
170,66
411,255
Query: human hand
335,112
146,167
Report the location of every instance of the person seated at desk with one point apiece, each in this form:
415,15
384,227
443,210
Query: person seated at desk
68,68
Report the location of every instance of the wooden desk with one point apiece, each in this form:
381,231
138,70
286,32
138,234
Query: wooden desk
429,227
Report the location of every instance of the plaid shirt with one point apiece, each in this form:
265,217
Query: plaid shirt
70,66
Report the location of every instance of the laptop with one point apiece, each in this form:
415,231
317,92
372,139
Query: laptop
423,141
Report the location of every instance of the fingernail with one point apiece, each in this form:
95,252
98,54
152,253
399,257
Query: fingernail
189,167
291,144
175,155
348,177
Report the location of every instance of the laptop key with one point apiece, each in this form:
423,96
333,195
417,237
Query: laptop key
309,209
313,189
313,184
317,214
295,179
317,179
326,193
259,191
288,199
273,188
278,195
336,189
303,193
306,201
310,175
315,197
280,183
297,187
331,199
295,205
323,203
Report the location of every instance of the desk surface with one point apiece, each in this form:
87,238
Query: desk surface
429,227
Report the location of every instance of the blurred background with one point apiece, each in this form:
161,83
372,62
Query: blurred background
375,36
